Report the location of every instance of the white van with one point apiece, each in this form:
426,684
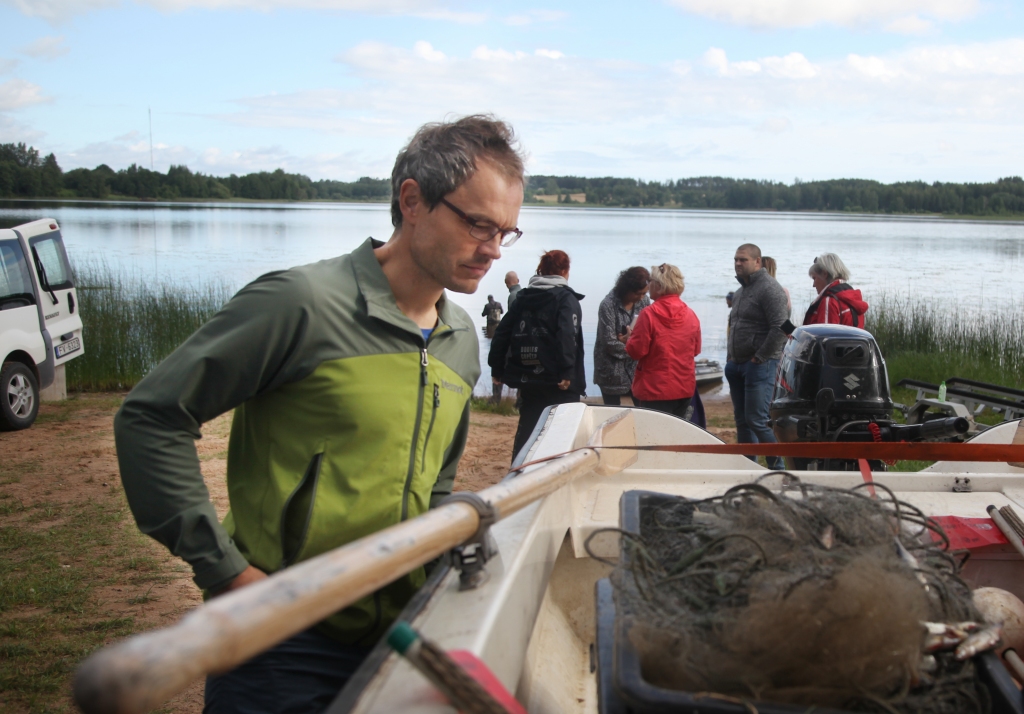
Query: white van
40,325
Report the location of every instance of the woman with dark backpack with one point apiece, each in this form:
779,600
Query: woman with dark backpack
837,303
538,347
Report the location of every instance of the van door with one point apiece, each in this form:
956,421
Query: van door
57,294
19,315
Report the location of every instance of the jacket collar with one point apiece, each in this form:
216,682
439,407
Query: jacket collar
380,301
752,278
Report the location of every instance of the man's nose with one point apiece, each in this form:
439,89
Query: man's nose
491,248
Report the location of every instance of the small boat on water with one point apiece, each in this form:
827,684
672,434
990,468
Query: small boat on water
534,620
708,371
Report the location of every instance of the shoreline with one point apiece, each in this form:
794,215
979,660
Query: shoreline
1007,219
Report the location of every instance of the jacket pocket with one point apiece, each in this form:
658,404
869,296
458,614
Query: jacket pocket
430,428
298,512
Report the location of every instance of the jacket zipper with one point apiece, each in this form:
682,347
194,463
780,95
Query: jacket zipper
415,432
312,472
430,428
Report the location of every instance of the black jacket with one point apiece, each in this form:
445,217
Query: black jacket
540,340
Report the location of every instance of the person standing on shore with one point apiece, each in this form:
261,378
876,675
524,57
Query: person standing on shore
493,312
512,283
665,343
755,345
350,379
837,303
771,266
538,347
618,312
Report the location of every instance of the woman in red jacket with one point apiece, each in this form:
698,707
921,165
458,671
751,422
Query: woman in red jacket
665,342
837,303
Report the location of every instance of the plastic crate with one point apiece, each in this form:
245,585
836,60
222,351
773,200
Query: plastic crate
623,690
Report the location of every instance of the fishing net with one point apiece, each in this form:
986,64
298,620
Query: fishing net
801,594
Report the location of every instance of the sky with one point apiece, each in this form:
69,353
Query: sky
890,90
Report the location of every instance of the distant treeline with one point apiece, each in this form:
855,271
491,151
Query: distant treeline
24,174
858,195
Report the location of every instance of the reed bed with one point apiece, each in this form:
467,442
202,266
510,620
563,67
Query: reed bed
131,324
922,340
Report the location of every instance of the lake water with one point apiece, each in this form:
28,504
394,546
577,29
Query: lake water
965,265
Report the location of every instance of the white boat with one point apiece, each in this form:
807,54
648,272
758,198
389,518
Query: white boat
708,371
533,621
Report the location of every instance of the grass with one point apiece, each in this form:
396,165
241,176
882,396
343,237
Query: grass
506,407
922,341
51,559
130,325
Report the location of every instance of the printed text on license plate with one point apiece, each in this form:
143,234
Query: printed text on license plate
68,347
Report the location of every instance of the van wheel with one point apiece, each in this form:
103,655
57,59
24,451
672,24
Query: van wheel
19,397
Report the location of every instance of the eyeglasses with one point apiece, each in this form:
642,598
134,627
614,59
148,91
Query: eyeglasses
486,231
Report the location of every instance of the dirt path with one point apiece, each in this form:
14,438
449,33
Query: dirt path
56,475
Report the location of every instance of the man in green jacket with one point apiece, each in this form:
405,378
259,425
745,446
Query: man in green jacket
350,379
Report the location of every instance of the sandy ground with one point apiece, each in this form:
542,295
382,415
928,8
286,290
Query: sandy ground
72,452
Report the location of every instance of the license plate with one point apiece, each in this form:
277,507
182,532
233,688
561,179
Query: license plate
66,348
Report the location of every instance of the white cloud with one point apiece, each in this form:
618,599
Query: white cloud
488,55
775,125
7,65
17,94
533,16
426,51
857,115
910,25
792,66
848,13
48,48
56,11
871,67
550,54
716,59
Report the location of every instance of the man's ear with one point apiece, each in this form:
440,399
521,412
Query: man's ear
410,201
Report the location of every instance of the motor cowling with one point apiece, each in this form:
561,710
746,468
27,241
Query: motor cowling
832,385
828,377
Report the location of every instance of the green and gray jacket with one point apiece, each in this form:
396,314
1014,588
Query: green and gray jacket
345,422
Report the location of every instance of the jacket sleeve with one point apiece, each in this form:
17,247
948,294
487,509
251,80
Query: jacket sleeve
252,345
565,335
697,346
500,344
607,340
446,478
639,342
775,313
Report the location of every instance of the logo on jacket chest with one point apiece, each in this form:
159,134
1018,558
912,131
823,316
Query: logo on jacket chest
457,388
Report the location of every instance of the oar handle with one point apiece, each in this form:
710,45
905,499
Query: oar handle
140,673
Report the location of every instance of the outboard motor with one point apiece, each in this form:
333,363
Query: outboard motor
832,386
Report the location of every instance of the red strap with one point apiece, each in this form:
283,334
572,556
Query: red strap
918,451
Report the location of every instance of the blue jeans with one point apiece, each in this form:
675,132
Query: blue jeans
751,388
302,675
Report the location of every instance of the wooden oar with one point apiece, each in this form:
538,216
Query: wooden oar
141,673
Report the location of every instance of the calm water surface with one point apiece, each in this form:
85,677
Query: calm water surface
966,266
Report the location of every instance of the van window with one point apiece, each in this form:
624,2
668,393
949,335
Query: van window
50,249
15,283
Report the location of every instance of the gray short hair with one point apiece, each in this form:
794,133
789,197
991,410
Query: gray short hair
831,266
442,156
